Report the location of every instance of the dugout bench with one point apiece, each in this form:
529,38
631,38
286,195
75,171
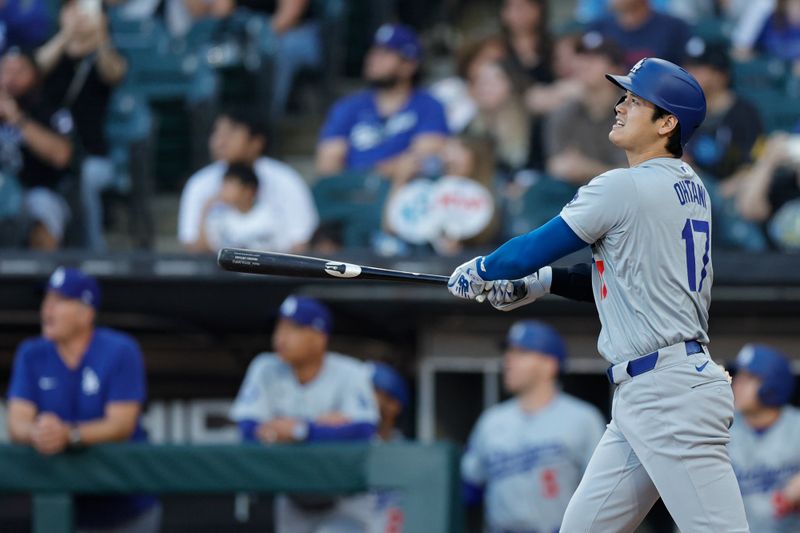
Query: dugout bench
427,475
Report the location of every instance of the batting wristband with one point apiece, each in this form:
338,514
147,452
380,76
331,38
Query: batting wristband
574,283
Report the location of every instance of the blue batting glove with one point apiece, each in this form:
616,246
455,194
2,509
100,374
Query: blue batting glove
466,282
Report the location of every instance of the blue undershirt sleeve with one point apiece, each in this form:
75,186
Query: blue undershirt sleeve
528,253
353,431
247,429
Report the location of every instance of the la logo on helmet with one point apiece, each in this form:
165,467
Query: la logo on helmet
638,65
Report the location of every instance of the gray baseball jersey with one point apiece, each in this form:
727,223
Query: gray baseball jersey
271,390
650,231
764,462
344,385
530,464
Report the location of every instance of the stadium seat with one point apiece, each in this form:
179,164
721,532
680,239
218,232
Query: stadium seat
354,202
129,131
538,204
712,30
761,73
779,111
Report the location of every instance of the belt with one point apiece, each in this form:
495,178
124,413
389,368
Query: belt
636,367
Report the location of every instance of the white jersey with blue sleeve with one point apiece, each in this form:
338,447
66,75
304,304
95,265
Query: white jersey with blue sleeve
530,463
270,390
764,462
649,227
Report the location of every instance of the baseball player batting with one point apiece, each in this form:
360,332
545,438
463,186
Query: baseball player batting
649,228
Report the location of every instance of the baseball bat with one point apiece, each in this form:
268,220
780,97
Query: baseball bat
275,264
278,264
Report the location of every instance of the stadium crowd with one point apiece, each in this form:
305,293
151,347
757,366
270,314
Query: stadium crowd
515,116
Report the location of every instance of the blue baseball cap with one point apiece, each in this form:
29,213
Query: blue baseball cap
400,39
535,336
772,366
309,312
388,380
75,284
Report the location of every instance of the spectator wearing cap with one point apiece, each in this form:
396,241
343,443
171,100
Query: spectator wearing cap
81,385
724,142
767,467
302,392
528,453
239,137
393,126
642,32
576,135
35,147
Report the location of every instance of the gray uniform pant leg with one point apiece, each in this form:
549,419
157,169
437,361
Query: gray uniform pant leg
675,421
615,492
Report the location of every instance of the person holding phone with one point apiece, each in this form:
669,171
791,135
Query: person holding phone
81,69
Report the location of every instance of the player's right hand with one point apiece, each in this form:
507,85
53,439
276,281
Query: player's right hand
503,296
465,281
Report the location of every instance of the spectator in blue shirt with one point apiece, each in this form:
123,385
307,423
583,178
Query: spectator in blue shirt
780,35
390,128
642,32
80,385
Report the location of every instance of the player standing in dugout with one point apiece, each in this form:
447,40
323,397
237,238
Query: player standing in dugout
649,229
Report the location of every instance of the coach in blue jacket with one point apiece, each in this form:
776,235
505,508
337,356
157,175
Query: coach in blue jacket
79,385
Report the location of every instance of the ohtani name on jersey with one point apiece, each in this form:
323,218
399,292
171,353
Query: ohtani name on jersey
689,191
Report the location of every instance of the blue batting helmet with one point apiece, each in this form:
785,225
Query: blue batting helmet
669,87
777,381
536,336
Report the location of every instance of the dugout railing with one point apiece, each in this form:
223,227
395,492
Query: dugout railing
426,475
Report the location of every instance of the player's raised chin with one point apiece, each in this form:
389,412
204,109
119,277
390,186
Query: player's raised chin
636,128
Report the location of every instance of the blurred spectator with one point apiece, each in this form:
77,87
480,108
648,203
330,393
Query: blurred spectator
297,29
576,136
528,39
643,32
391,128
767,466
543,99
23,23
749,17
35,147
81,68
528,453
236,218
453,92
723,143
769,192
780,34
496,89
239,136
81,385
691,11
304,393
